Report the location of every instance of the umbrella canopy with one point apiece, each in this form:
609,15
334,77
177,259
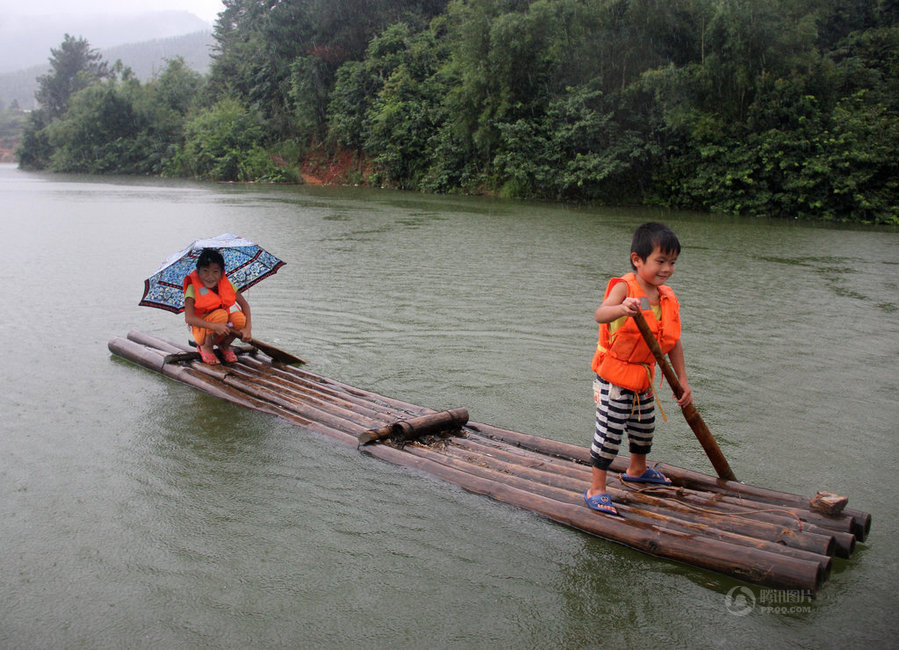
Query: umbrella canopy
245,265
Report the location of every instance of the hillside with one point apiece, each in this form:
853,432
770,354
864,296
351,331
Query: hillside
145,59
148,58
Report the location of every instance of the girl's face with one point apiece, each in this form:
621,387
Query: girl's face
210,275
657,269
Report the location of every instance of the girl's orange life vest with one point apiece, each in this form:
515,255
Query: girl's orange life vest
207,300
623,358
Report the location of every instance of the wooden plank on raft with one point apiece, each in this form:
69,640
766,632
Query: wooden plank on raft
755,534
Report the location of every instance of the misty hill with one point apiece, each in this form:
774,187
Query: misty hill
146,59
25,41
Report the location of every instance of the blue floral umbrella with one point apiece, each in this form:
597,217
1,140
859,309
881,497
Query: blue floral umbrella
245,265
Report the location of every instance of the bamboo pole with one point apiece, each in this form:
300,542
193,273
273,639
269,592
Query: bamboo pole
408,429
630,512
854,521
753,565
330,395
293,398
324,410
334,384
153,359
306,410
783,515
705,437
743,520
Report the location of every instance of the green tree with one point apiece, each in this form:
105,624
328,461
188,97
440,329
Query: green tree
34,151
407,112
224,143
73,66
310,92
162,107
95,134
270,51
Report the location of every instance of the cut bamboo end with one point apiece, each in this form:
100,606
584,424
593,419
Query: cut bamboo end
442,423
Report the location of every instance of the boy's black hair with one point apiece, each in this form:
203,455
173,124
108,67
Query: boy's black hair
210,256
653,234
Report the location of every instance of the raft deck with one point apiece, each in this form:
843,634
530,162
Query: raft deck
761,536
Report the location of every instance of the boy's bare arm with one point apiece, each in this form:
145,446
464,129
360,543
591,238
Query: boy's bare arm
616,305
676,356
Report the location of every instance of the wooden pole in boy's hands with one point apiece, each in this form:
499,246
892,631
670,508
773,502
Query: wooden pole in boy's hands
708,442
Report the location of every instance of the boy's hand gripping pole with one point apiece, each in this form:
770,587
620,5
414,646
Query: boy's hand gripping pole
708,442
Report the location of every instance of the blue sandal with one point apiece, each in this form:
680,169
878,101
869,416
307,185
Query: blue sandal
649,476
601,503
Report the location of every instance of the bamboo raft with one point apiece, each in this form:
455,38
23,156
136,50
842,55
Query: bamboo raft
761,536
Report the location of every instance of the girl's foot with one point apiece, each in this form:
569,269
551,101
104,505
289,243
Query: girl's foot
228,355
208,357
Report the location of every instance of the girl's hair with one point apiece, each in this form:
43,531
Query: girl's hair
210,256
650,235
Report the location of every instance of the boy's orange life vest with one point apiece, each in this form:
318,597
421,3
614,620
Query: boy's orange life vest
207,300
624,358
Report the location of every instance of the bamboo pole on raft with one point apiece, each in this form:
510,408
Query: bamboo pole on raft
855,521
705,437
665,521
755,519
753,565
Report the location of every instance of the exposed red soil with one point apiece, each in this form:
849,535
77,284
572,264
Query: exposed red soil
7,151
341,168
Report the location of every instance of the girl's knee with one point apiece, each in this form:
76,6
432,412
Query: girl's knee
217,316
238,319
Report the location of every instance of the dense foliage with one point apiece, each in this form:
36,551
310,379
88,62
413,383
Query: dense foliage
785,108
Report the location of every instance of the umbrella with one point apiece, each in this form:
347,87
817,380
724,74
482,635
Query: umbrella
245,265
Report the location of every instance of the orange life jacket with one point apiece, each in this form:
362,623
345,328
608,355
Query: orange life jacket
623,358
207,300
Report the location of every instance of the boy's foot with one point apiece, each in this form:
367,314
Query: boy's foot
228,355
649,476
601,503
208,357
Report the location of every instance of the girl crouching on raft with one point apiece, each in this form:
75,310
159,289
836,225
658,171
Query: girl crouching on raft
208,298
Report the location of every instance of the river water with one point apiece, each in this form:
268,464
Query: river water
140,513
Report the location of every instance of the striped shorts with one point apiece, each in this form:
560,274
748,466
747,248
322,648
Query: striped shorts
619,410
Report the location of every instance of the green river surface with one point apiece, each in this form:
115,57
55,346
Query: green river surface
140,513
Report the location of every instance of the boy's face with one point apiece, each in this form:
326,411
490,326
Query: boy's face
657,268
210,275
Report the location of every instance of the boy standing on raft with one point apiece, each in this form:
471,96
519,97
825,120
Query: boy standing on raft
208,298
625,366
